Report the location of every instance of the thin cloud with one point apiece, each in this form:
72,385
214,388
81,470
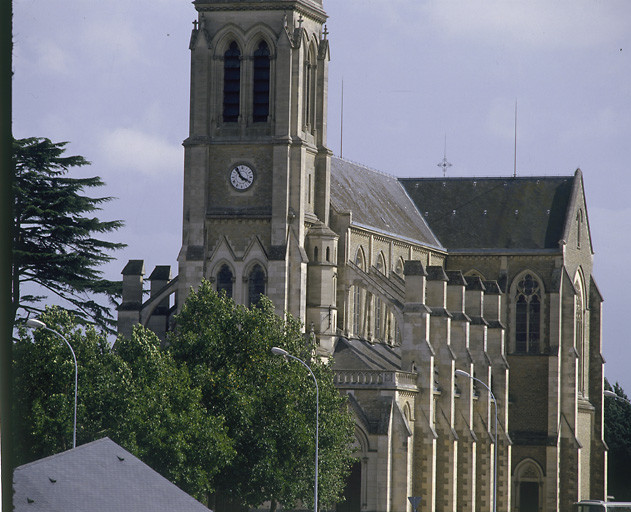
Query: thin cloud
134,150
536,23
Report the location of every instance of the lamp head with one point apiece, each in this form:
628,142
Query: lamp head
610,393
462,373
277,351
33,323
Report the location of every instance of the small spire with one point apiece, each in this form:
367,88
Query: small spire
445,164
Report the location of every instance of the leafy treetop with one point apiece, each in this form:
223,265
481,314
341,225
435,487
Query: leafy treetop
269,404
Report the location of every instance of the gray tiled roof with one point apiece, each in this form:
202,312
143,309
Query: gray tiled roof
494,213
377,201
355,354
97,477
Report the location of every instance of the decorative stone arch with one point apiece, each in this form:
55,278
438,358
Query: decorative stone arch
256,34
528,486
527,306
224,37
399,266
475,273
152,303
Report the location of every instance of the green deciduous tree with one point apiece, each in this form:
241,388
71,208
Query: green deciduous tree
618,438
136,395
269,404
54,243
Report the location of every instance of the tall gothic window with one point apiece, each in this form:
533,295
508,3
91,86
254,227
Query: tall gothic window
256,285
356,309
231,83
225,280
309,87
378,319
579,228
528,316
580,345
260,96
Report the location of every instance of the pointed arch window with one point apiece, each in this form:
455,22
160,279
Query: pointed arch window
356,309
225,280
381,263
360,261
260,96
581,348
579,228
231,83
528,315
309,87
256,285
378,317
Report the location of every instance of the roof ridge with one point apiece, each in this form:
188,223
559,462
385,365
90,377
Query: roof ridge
364,166
498,178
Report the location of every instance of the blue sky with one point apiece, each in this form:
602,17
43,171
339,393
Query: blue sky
112,77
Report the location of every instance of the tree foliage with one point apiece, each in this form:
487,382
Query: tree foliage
54,242
269,404
135,395
618,438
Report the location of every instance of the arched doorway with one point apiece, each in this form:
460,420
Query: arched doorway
528,490
352,491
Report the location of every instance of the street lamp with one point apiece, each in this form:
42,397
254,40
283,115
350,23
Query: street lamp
462,373
280,352
38,324
611,394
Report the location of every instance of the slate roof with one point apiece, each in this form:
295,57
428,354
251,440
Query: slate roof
378,202
494,213
355,354
99,477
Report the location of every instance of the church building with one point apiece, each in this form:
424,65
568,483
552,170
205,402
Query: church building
461,313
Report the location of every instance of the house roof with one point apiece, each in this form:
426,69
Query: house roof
100,477
495,213
377,202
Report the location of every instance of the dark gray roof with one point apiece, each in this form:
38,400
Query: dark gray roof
494,213
377,201
99,477
355,354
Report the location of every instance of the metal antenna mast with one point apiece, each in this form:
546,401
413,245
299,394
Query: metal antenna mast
342,123
515,153
445,164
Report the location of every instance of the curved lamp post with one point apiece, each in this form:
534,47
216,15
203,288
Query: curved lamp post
280,352
462,373
611,394
38,324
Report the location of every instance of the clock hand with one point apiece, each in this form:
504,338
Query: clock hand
240,175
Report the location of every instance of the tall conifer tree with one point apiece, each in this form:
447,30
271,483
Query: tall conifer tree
54,243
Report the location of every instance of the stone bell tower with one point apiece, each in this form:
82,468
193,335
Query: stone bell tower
256,168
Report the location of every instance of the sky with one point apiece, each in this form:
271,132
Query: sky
112,78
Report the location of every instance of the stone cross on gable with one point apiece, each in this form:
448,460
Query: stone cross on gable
195,23
300,20
326,32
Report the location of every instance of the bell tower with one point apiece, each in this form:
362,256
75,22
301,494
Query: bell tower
256,165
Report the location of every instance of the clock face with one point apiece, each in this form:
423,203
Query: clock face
241,177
